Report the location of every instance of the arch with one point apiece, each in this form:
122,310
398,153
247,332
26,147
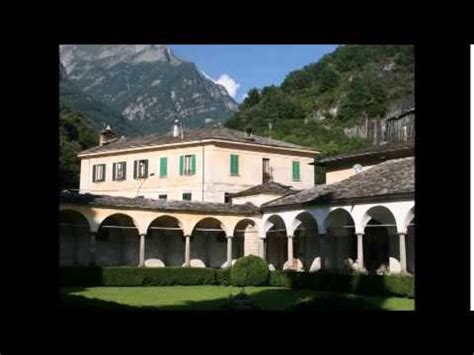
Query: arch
245,229
409,218
164,242
117,241
381,241
276,241
306,242
208,243
124,218
341,241
74,230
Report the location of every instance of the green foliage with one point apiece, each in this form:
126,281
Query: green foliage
374,285
249,270
136,276
75,134
359,80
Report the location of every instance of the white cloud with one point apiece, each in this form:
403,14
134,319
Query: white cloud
227,82
230,84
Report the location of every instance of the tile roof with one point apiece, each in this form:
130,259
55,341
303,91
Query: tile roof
270,187
408,147
157,205
392,177
226,134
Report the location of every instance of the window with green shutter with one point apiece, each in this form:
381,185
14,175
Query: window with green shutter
187,164
187,196
193,164
234,165
163,167
296,171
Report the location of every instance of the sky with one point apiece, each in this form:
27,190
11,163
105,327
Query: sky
240,68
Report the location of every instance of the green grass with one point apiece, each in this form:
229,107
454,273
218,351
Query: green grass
214,297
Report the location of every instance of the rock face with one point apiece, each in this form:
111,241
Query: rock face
147,84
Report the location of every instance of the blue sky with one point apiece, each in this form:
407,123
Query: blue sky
243,67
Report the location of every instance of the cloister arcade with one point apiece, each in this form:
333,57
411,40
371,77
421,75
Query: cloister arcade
375,238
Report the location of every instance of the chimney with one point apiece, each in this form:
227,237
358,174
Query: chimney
106,136
405,133
176,128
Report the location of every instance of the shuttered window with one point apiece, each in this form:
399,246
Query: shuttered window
140,169
234,165
163,167
98,173
296,171
187,164
119,171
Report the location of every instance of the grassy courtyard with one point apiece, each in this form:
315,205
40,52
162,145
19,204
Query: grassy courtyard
214,297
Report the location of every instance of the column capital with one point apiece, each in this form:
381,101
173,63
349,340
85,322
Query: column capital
402,233
229,236
93,233
359,233
290,235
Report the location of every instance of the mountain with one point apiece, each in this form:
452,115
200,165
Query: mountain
99,114
327,105
147,85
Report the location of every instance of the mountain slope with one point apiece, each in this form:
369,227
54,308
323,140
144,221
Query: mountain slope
147,84
99,114
324,103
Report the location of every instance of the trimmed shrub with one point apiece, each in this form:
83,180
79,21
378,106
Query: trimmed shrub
135,276
249,270
371,285
223,277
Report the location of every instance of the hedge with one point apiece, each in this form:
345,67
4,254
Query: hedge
135,276
372,285
249,270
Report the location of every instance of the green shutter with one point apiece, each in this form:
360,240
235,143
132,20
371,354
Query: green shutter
181,165
103,176
135,169
234,164
124,170
296,171
163,167
193,164
146,169
114,171
93,172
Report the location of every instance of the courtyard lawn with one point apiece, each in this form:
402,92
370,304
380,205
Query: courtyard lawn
214,297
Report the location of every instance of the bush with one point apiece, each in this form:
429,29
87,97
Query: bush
249,271
135,276
223,277
371,285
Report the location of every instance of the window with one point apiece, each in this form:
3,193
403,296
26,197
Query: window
98,173
187,164
140,169
163,197
119,171
163,167
227,198
296,171
266,170
234,165
187,196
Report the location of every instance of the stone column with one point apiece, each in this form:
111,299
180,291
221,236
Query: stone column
403,253
142,250
360,251
262,248
229,250
290,252
322,246
187,251
92,236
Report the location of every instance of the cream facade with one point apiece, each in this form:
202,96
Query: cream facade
212,177
342,174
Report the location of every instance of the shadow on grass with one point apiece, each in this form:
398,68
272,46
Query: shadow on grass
266,300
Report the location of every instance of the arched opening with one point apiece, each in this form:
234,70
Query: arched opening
73,238
410,246
306,244
245,229
208,244
381,242
341,241
276,243
117,241
164,243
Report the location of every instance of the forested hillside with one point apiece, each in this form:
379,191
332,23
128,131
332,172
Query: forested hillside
314,105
